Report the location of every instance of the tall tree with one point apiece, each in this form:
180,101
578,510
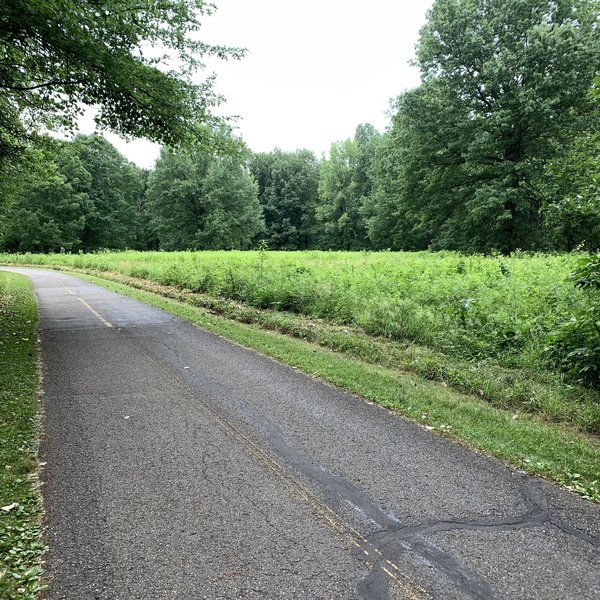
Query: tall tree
58,55
572,210
117,192
367,139
287,191
345,185
50,212
338,211
504,85
392,223
201,202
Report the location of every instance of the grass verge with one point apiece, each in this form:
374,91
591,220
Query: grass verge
20,504
559,453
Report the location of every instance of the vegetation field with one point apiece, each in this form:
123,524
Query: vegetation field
474,307
478,323
20,532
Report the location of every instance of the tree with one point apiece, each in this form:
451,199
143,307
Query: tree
52,207
338,212
287,191
117,193
367,139
345,185
201,202
391,222
572,210
58,55
504,86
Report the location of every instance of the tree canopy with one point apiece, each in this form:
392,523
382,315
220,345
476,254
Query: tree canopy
504,89
496,150
50,211
345,184
199,202
80,195
287,191
117,192
56,56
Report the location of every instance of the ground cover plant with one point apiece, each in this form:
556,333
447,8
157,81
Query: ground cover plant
20,508
576,342
481,324
475,307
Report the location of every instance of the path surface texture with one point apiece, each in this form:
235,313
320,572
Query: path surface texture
180,465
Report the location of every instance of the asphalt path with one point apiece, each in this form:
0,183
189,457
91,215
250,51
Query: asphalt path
180,465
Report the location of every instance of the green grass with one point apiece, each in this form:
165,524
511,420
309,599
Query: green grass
20,505
561,454
473,307
518,390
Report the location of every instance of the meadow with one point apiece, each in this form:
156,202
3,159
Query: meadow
476,307
477,323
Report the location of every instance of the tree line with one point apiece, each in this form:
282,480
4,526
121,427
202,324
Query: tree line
496,150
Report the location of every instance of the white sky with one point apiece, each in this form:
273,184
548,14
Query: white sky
315,69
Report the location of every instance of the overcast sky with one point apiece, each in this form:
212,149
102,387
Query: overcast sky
315,69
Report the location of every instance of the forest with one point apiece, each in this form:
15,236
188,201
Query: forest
496,150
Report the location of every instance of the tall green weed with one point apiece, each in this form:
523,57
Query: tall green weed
474,307
575,344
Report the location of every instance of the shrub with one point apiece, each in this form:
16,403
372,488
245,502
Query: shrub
576,342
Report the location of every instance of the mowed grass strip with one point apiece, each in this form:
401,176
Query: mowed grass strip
20,505
568,457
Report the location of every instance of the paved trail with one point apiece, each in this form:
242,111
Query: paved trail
182,466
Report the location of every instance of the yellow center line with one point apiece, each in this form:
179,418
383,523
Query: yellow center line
410,589
93,311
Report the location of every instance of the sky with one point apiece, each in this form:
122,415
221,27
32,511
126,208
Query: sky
314,70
